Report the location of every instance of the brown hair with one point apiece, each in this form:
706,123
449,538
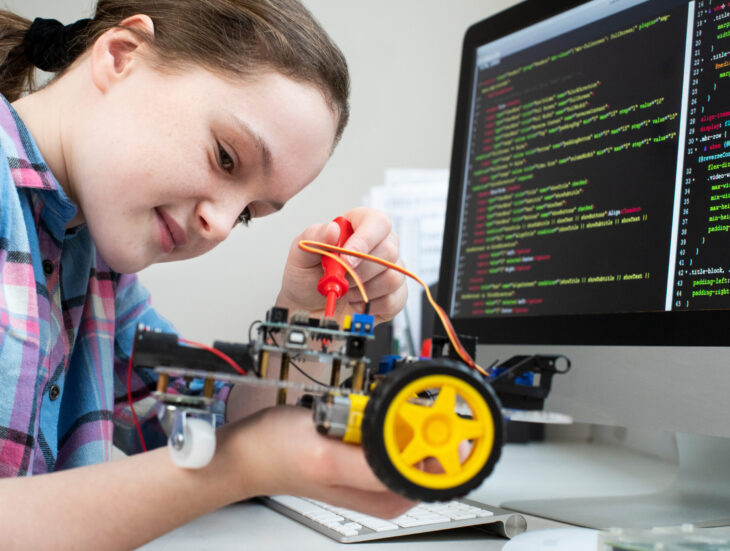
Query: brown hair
230,37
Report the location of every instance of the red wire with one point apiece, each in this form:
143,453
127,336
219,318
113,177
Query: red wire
218,353
131,404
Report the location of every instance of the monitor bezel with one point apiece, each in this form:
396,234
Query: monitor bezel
661,328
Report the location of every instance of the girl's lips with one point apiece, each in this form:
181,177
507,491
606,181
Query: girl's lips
172,236
166,239
178,234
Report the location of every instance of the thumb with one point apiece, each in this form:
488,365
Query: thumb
323,233
331,233
353,243
331,236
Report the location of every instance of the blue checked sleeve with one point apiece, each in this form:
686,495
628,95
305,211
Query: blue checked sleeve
133,306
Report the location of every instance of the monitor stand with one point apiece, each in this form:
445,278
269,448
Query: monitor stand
700,495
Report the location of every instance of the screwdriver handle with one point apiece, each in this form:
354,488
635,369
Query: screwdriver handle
333,284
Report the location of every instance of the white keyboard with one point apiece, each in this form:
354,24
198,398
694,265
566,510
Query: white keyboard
347,526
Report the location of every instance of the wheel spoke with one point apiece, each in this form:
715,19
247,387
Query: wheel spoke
469,429
414,415
446,400
450,461
414,452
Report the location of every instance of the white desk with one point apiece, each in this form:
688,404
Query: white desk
533,471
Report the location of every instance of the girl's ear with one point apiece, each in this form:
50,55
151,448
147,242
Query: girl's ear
115,52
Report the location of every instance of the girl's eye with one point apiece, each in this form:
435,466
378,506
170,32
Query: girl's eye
225,160
245,217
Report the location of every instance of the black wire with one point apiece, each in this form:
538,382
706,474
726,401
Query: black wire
299,369
251,327
256,365
306,374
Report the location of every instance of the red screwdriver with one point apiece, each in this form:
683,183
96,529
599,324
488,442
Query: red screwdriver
333,284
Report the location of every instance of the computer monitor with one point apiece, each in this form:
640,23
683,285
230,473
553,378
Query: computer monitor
589,215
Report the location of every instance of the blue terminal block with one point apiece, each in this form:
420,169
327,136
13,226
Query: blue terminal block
387,363
526,379
362,324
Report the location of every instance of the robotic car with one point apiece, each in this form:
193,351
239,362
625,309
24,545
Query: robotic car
405,412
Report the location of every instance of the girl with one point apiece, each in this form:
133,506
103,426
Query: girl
169,123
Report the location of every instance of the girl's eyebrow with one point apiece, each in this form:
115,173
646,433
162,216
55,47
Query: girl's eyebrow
261,145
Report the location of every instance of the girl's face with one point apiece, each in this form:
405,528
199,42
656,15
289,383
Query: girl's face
167,165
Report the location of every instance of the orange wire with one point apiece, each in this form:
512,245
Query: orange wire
315,247
310,246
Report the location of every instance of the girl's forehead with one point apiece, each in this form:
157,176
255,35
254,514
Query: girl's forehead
263,83
258,95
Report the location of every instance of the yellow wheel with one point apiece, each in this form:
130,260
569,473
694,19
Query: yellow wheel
432,430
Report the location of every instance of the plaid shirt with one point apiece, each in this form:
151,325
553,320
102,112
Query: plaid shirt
65,317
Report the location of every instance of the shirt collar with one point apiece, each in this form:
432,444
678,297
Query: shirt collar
29,169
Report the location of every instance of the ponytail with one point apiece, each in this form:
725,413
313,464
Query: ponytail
16,70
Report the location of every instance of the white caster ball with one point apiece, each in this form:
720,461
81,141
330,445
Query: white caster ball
197,446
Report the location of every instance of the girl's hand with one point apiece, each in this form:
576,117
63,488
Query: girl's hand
373,235
278,451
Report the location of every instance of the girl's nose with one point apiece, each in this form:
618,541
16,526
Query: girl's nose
216,220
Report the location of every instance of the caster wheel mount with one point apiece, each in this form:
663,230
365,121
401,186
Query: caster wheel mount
192,440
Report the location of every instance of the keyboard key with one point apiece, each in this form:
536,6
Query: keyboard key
350,529
323,516
462,516
408,522
374,523
297,504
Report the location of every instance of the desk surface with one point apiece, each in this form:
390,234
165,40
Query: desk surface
532,471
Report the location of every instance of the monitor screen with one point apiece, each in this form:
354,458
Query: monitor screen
589,199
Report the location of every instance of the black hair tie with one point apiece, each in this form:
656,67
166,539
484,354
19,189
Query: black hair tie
51,46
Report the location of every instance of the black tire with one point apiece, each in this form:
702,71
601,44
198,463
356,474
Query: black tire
373,428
